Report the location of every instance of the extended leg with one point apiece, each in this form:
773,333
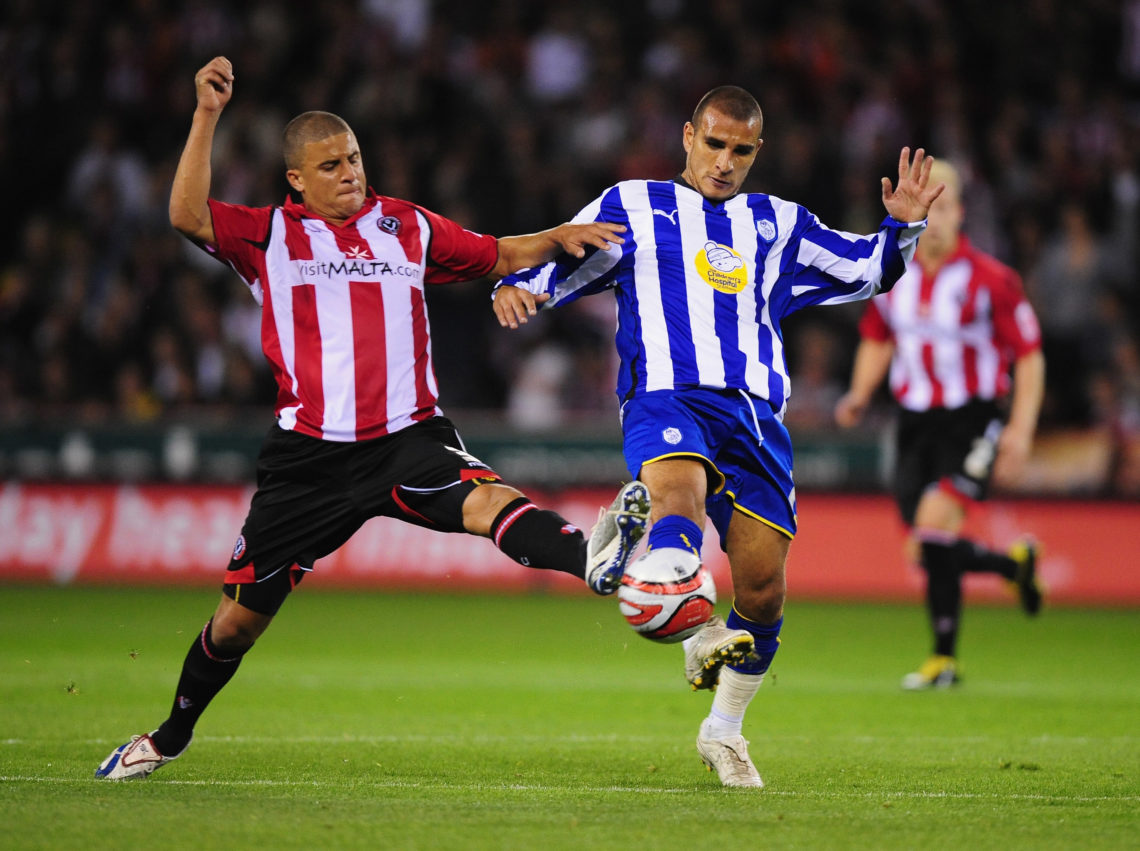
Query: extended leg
210,663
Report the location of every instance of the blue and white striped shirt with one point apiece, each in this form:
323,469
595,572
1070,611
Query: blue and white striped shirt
702,286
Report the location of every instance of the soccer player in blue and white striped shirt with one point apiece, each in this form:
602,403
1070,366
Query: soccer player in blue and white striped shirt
703,280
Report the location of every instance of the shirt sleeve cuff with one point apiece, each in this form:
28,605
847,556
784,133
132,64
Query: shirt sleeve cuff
892,222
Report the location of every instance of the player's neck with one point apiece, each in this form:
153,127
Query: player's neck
932,256
931,260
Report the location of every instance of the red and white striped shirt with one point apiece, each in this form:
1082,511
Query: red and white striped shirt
956,333
343,324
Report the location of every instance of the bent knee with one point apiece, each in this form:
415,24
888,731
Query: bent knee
232,639
234,628
761,599
482,506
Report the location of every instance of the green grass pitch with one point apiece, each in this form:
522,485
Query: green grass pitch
459,722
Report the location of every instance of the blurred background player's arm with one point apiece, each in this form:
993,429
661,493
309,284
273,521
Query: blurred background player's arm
872,361
1016,439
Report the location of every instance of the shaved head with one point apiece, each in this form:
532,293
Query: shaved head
309,127
733,102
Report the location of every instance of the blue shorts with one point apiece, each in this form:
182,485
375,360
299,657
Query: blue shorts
746,450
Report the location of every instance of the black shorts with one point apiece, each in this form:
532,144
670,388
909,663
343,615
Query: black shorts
312,495
947,448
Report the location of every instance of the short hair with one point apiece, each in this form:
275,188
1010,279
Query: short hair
309,127
943,171
733,101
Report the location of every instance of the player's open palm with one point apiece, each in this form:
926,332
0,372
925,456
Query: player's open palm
910,199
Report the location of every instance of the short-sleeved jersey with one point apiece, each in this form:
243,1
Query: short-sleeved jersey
344,325
956,332
702,286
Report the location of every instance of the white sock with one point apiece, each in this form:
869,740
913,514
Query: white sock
733,693
688,642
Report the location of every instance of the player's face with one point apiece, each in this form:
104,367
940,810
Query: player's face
720,153
331,178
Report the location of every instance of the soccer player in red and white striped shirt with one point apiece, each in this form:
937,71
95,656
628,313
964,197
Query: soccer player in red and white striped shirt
950,333
340,278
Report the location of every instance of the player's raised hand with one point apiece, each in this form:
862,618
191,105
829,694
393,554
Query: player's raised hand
910,200
214,84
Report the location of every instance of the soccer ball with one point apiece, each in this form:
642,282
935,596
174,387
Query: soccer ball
667,595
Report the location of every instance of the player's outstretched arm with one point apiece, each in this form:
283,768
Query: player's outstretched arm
910,200
189,210
534,249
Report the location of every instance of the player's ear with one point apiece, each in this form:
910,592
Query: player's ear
295,179
687,136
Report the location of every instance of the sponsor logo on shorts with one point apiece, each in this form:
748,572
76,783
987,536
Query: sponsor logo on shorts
239,547
671,435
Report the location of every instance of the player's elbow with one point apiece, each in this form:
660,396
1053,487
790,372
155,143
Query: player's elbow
190,224
181,218
508,262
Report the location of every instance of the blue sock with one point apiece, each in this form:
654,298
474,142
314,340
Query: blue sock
678,532
767,638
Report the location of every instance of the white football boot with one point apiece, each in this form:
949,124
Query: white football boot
729,756
135,760
615,536
711,649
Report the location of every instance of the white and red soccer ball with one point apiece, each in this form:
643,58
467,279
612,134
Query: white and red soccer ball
667,595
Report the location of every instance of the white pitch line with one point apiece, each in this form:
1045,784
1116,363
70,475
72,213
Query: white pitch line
640,790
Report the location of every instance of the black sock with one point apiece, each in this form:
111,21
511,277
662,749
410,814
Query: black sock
204,673
538,538
943,594
974,558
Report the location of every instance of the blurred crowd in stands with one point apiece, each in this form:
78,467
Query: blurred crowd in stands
509,116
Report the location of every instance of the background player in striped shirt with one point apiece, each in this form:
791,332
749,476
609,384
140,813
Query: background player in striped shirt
359,434
948,333
703,280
